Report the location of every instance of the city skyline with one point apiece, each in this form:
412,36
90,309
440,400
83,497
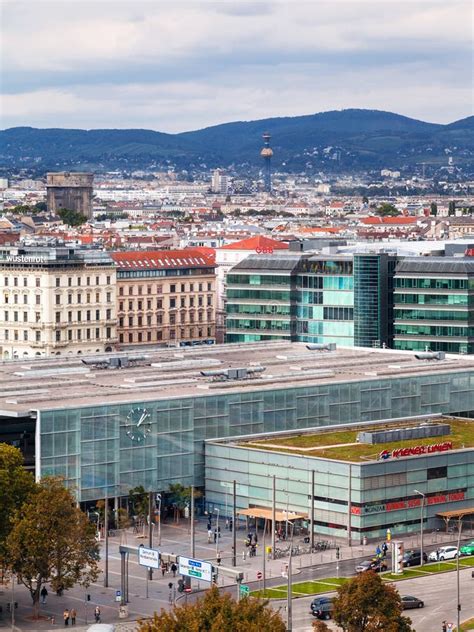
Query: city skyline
184,66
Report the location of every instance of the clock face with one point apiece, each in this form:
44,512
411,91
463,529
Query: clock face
138,424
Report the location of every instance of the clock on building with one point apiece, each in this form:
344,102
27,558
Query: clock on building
138,424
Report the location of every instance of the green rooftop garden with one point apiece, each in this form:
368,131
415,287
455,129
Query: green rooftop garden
337,444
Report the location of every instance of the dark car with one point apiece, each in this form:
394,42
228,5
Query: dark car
319,601
412,602
324,610
413,558
372,565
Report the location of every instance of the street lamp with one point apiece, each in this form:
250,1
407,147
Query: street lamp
217,530
457,575
289,601
421,523
158,500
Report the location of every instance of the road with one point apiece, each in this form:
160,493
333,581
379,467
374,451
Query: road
438,592
176,539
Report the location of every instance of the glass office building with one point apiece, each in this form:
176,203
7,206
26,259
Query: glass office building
291,297
434,304
373,299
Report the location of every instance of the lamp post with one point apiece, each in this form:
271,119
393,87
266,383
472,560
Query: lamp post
457,576
217,531
289,602
421,523
158,500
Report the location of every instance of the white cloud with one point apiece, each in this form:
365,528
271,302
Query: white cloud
178,65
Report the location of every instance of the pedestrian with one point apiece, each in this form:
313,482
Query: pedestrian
163,569
209,534
66,616
231,524
97,614
444,627
44,594
378,551
174,568
219,558
384,549
215,536
227,523
73,616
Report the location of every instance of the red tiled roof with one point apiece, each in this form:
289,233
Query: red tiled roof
162,259
252,243
389,220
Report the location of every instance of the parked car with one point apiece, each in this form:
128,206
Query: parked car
412,602
443,553
371,565
324,610
413,557
467,549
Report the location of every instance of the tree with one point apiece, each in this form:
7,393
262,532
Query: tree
71,218
41,207
15,486
138,502
387,210
52,541
433,209
452,208
180,498
366,604
217,612
320,626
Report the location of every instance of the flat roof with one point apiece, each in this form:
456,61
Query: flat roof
342,444
162,374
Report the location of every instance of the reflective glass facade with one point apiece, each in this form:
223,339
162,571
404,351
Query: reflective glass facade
91,446
434,306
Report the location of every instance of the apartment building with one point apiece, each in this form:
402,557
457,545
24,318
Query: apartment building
166,297
56,301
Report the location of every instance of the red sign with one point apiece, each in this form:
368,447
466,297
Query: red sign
416,450
266,250
409,504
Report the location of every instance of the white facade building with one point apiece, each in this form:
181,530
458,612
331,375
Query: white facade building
56,301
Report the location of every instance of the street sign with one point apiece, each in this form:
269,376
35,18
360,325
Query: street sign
244,590
195,568
118,595
259,575
148,557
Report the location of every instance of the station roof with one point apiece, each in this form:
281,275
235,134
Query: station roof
65,382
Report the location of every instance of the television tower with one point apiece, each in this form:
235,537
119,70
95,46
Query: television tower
267,154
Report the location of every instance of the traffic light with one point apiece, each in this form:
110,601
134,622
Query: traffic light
180,585
338,554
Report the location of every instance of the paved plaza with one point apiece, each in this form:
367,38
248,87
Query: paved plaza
175,538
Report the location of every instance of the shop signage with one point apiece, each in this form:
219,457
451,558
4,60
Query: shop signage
264,250
416,450
408,504
25,259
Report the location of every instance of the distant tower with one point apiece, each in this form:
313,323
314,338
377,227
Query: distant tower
73,191
267,154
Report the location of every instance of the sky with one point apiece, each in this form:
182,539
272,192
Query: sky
175,66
